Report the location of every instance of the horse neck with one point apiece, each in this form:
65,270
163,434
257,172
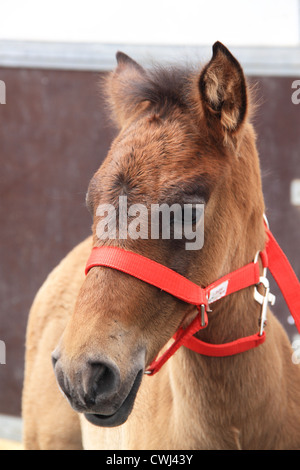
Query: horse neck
214,382
220,390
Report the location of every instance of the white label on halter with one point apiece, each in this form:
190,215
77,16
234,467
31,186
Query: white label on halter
218,292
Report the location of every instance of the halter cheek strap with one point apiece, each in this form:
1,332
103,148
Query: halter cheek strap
182,288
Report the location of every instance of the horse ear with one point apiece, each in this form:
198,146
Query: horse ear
124,60
223,92
120,88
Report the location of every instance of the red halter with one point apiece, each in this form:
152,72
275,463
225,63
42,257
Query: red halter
173,283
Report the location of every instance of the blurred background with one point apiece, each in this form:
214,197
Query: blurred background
54,133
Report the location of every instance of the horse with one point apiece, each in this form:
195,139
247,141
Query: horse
185,135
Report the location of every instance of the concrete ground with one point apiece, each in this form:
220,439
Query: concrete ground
10,433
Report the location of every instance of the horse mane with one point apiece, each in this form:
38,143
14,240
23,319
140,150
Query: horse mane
163,85
133,88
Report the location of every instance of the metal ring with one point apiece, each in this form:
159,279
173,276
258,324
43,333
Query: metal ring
266,220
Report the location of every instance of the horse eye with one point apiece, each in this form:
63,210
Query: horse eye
188,215
192,215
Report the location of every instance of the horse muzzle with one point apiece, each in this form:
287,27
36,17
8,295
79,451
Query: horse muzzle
95,388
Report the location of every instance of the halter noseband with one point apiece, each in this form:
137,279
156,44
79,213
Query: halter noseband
182,288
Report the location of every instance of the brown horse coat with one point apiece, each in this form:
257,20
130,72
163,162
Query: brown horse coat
181,133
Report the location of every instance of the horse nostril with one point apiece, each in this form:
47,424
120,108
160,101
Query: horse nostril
100,379
88,383
54,358
98,376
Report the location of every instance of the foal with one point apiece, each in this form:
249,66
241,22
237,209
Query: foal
185,137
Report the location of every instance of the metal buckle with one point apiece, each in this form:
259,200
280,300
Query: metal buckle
264,300
202,313
203,310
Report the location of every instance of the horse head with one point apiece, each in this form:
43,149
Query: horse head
185,137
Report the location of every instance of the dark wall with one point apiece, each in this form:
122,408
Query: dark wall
53,136
277,124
